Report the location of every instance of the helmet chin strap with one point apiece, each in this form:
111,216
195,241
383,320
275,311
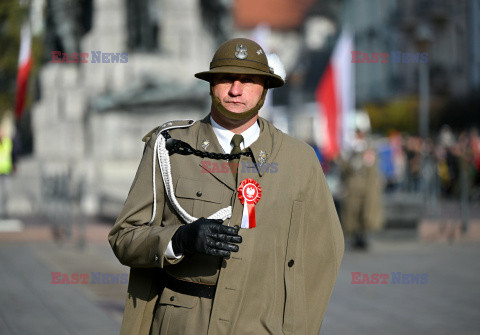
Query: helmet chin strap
237,116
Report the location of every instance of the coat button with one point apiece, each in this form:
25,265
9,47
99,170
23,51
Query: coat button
290,263
199,193
172,298
156,258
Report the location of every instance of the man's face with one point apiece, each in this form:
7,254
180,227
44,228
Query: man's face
238,92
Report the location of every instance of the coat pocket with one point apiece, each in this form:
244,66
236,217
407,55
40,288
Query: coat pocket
200,198
173,298
294,316
174,312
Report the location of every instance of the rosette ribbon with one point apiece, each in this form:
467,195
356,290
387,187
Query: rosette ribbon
249,193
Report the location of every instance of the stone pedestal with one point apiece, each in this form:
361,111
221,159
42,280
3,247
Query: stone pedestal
102,147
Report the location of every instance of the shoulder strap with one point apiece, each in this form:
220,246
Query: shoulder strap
166,126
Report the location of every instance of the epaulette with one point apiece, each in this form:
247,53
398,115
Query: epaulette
168,125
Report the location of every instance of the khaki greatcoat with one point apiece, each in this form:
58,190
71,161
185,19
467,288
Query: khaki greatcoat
280,280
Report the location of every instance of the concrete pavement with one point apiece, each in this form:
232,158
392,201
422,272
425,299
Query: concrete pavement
449,303
31,304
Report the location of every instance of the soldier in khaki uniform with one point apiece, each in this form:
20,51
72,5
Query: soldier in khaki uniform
361,210
227,234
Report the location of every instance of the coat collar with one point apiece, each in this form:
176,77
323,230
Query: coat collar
267,146
205,132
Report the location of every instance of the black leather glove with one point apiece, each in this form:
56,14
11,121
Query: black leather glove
206,236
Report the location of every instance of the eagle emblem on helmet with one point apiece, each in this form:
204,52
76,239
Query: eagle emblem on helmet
241,51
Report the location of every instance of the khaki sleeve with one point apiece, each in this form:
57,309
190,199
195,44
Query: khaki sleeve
324,247
135,242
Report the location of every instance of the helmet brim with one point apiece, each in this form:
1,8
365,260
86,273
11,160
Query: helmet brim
274,81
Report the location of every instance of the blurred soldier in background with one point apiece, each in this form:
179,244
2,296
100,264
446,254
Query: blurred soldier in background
361,208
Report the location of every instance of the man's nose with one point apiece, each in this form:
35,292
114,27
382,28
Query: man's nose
236,88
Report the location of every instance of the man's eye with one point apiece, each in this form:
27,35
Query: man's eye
223,79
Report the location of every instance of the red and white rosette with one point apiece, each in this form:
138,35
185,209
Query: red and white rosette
249,192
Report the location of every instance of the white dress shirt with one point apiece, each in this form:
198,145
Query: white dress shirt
224,137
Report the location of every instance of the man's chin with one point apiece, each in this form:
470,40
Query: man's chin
230,120
237,109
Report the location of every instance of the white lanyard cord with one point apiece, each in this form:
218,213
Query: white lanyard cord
161,152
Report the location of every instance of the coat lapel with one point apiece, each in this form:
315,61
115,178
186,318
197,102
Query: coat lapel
265,148
205,132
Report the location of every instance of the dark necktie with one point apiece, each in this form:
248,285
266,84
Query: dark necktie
236,140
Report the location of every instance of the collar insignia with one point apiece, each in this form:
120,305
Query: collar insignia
205,144
262,157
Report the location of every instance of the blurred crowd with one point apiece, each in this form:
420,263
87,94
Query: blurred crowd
444,166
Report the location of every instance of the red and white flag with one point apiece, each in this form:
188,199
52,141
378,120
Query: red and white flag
335,95
24,65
